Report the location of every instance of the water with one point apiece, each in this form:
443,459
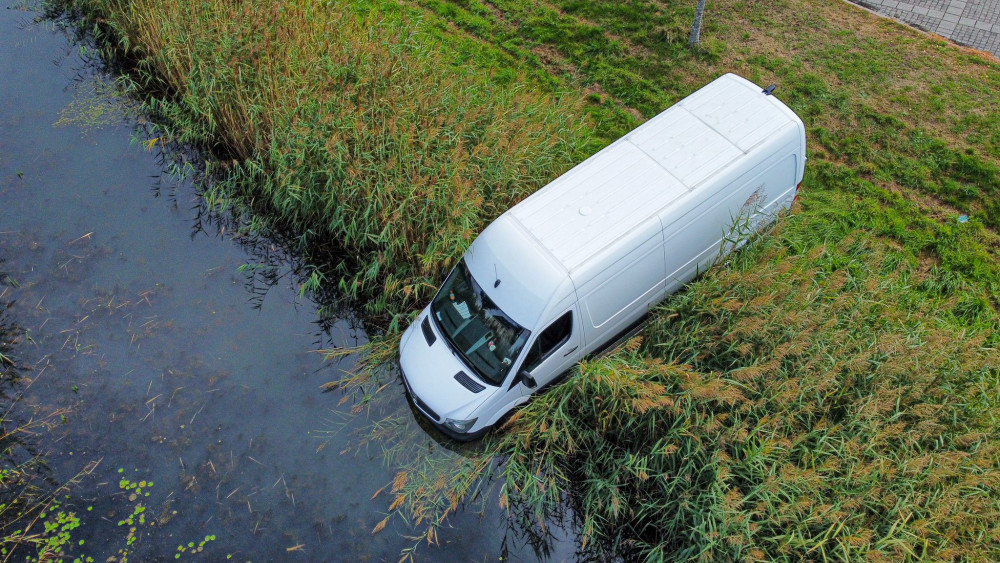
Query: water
174,371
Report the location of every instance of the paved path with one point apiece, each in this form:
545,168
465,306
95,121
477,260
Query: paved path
975,23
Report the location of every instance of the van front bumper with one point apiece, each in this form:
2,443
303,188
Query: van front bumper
433,417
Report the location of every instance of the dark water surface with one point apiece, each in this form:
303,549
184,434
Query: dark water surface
174,373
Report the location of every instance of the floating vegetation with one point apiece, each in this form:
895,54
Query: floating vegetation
136,521
53,542
192,549
37,520
97,103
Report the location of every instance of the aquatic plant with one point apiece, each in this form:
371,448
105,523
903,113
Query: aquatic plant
40,520
34,520
96,105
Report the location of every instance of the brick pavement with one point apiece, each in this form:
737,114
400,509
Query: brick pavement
975,23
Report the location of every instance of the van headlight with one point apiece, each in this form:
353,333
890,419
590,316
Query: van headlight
459,425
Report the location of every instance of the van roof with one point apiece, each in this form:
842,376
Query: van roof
673,154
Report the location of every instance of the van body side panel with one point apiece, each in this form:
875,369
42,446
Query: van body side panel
504,399
619,287
696,239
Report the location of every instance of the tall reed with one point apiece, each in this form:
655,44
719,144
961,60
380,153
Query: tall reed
791,412
349,124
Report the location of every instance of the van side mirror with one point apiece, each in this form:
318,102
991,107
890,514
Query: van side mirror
527,379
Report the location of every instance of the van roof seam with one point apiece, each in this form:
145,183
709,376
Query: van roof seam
656,161
527,232
720,133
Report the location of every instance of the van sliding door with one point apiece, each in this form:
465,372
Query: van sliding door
622,287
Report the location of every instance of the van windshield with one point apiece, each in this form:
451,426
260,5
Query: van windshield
476,328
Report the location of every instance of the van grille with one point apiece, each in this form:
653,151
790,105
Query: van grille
428,333
468,383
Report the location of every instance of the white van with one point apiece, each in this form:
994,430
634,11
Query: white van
569,270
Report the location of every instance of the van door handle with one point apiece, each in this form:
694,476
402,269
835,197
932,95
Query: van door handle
573,349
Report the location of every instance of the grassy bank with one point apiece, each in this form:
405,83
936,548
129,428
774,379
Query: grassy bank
831,393
828,394
393,132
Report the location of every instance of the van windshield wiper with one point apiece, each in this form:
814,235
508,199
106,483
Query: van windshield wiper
462,358
478,332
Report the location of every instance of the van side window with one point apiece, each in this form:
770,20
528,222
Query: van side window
548,340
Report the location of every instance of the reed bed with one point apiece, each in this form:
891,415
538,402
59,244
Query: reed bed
795,412
347,124
824,395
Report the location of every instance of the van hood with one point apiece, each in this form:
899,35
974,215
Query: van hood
431,372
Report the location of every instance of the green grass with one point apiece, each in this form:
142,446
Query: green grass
827,394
